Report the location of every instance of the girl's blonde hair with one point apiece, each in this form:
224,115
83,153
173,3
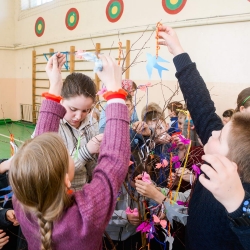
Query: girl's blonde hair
37,176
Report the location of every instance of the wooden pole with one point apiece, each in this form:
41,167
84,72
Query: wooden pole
33,86
72,59
97,80
127,59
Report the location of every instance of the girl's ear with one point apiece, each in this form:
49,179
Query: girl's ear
67,181
242,109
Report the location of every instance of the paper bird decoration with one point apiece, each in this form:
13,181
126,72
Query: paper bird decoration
152,62
91,57
176,212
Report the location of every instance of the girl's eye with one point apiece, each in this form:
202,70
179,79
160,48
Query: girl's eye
72,109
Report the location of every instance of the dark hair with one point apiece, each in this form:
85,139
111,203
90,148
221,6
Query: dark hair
228,113
134,85
173,106
129,98
242,99
77,84
239,144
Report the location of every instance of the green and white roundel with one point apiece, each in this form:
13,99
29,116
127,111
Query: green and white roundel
173,6
72,18
39,26
114,10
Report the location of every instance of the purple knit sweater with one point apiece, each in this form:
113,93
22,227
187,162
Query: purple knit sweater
82,225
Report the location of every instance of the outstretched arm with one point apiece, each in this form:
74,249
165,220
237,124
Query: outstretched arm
193,87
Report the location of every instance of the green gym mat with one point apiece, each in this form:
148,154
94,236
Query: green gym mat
21,131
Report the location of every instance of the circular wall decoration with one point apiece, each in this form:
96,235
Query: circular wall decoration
72,18
39,26
173,6
114,10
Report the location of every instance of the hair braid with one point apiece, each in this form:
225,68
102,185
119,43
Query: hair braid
45,231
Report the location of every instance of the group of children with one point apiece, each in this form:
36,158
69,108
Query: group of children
86,186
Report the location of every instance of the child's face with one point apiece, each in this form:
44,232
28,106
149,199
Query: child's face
218,142
130,107
225,120
77,107
181,121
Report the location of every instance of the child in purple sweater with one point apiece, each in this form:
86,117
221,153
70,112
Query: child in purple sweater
50,217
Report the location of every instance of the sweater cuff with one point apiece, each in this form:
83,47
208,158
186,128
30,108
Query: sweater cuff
117,111
239,212
181,61
53,107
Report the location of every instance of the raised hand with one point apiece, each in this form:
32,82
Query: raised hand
224,181
111,75
3,238
141,128
170,39
53,70
10,215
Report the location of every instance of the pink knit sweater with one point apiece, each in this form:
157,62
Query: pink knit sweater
82,225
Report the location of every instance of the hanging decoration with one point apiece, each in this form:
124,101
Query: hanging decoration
39,26
114,10
173,6
72,18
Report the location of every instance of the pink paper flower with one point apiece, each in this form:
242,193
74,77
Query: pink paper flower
132,211
196,170
158,165
143,227
182,203
175,159
163,223
146,177
177,164
164,162
184,140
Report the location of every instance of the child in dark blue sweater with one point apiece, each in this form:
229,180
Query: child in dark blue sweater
216,219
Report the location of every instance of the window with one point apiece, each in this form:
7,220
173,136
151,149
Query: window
27,4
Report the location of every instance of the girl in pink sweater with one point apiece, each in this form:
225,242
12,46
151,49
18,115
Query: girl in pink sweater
41,171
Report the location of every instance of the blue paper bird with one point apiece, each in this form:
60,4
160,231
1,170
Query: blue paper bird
152,62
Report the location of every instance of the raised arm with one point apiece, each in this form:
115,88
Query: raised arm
97,200
51,111
193,87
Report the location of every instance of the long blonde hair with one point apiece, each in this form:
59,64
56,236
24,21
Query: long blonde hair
37,176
